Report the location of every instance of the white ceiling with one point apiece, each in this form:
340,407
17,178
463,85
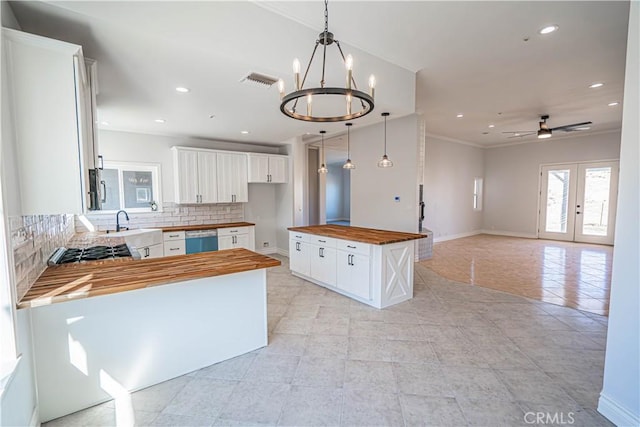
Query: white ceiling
436,58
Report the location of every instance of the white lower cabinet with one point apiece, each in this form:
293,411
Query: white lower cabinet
353,274
323,264
377,275
174,243
236,237
300,257
152,251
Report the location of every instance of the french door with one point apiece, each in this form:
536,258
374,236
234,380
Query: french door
578,202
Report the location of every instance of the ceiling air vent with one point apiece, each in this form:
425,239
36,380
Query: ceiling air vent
262,79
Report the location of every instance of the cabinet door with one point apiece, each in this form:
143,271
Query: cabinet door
225,242
258,168
278,169
42,75
153,251
207,177
175,247
185,169
353,274
323,264
242,241
232,178
299,257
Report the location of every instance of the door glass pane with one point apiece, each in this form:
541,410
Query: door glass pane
111,199
557,201
597,182
138,189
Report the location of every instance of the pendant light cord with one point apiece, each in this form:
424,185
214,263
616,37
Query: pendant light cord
385,135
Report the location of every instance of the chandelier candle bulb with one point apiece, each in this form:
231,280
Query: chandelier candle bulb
348,98
372,85
349,64
281,88
296,73
309,101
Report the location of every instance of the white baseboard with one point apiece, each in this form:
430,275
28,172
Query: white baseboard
615,413
282,252
267,251
456,236
509,234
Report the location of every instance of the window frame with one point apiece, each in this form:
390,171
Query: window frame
478,187
156,176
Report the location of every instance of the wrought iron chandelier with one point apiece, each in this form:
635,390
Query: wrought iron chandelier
332,110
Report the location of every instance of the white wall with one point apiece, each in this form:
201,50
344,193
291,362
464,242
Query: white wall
512,177
620,397
373,189
127,146
448,188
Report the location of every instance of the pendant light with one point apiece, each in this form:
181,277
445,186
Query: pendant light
348,164
385,162
323,168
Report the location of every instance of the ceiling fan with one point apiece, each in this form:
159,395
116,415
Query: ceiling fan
545,131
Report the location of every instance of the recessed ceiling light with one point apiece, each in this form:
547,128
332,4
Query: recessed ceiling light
596,85
492,126
183,89
244,132
105,123
159,120
460,116
516,134
548,29
583,128
613,104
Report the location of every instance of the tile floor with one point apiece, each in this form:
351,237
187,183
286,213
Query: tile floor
571,274
454,355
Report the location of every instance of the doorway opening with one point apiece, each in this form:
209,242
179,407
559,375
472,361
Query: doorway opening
578,201
329,193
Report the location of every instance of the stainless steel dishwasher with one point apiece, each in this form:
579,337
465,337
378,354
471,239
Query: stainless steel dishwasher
201,241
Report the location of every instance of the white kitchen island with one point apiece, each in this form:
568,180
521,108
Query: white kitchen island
126,325
372,266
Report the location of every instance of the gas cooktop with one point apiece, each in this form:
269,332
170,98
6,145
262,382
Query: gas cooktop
94,253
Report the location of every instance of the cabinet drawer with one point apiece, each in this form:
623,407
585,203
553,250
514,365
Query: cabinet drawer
327,242
355,247
176,247
300,237
232,231
173,235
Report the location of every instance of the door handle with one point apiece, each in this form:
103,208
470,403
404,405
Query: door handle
321,252
104,191
146,252
101,160
298,246
577,213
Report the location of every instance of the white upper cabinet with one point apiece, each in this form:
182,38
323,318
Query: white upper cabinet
208,178
49,124
232,178
267,168
195,177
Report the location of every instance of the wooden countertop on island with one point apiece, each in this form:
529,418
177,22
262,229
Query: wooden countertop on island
82,280
359,234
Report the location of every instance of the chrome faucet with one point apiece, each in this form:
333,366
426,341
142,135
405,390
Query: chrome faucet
118,219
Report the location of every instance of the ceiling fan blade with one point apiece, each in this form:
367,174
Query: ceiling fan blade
569,128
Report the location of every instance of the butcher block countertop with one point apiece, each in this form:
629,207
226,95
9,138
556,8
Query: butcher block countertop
207,226
359,234
82,280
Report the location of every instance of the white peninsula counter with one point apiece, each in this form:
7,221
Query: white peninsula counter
106,328
372,266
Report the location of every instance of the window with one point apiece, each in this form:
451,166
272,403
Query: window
477,194
134,187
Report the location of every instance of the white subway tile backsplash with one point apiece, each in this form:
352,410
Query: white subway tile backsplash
172,215
34,238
